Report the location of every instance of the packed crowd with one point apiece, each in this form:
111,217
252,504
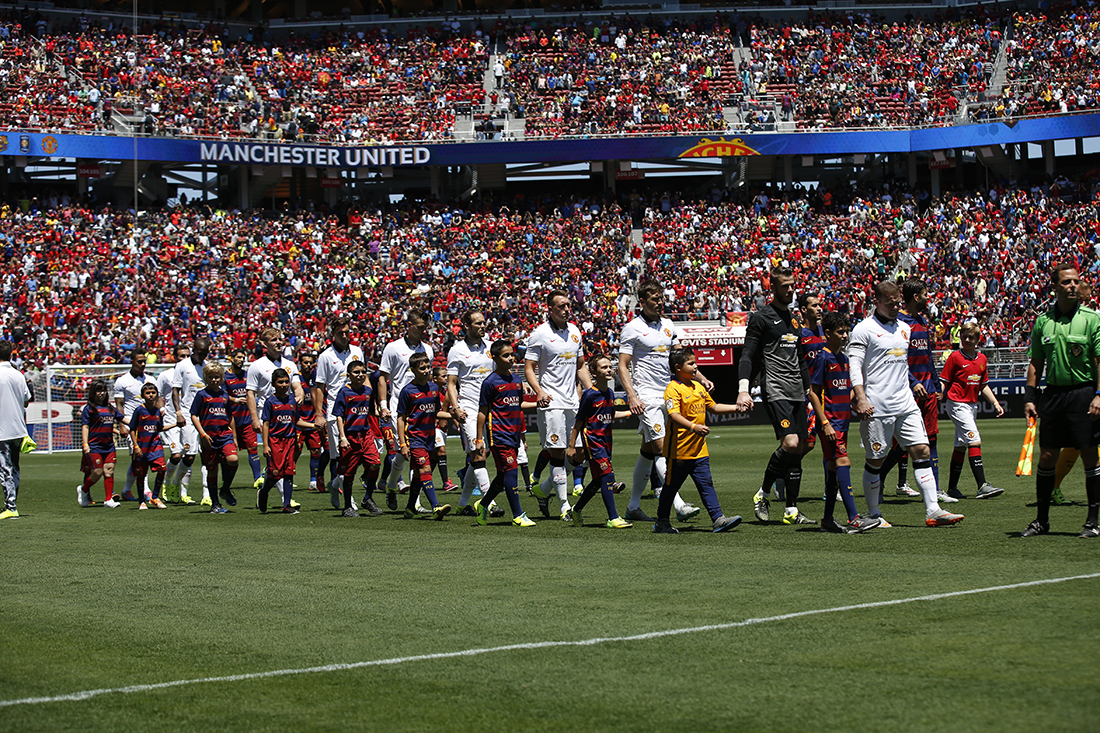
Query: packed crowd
90,286
1053,66
616,75
984,254
860,71
621,76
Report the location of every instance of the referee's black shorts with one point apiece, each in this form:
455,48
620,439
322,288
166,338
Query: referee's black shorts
1064,420
788,418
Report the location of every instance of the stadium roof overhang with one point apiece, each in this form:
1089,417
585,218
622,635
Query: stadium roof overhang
255,152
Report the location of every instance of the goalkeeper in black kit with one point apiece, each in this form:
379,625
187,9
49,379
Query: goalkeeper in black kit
773,354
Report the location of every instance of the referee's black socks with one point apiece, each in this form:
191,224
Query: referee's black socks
1092,493
1044,488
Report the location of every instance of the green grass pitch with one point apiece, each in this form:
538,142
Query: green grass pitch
98,598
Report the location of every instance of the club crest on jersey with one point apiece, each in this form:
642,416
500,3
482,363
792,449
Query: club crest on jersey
1076,349
668,333
784,423
553,437
876,446
794,323
576,339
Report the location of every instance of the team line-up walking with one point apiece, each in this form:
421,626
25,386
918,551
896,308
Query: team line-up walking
815,376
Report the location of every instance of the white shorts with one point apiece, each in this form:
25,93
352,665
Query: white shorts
555,427
876,433
521,453
171,439
964,415
467,431
189,436
651,423
440,439
334,439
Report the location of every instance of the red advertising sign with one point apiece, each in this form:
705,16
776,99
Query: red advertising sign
714,357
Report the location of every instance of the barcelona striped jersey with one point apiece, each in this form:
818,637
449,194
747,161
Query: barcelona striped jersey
305,410
353,405
212,410
235,383
419,403
813,341
502,399
922,367
145,426
830,372
100,420
281,416
596,412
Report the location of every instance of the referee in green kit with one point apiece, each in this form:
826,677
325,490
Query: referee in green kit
1065,342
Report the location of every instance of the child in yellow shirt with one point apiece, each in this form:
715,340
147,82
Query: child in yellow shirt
687,403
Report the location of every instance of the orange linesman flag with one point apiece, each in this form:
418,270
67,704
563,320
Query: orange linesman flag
1023,467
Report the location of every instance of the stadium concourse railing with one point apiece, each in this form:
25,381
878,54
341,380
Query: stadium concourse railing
728,130
60,392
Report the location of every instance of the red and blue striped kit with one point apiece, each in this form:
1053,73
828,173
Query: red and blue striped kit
831,372
922,367
281,416
596,412
212,410
305,410
813,341
100,420
354,406
235,386
145,426
503,396
419,404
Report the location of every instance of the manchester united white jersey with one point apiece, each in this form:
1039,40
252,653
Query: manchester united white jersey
332,371
164,386
128,389
471,365
395,362
879,360
187,377
258,378
555,352
648,344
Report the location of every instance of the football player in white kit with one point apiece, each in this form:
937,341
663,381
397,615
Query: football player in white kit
395,375
186,382
259,383
553,365
645,344
468,363
332,376
881,397
127,394
173,441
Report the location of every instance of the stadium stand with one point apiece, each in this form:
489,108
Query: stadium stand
89,286
628,75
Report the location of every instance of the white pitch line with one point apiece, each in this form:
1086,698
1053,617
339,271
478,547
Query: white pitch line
86,694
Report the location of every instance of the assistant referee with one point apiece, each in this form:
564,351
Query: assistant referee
1065,345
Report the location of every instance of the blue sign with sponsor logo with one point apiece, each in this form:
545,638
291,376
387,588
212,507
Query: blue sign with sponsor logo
256,152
